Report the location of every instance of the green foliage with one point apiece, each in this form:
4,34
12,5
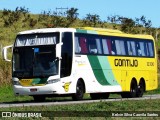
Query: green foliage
92,20
10,17
128,25
14,21
90,109
5,73
7,95
78,110
72,16
32,22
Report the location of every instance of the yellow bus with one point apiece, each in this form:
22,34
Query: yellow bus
73,61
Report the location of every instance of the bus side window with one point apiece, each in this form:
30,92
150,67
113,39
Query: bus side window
77,46
98,44
131,48
66,62
146,49
93,49
120,47
150,46
141,50
95,46
113,48
139,53
106,46
83,45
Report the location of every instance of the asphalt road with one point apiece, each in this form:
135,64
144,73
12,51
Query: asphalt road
62,102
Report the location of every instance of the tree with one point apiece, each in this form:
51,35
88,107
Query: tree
127,25
116,19
10,17
142,22
72,15
92,20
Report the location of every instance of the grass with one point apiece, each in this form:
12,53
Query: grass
7,95
88,110
145,105
101,110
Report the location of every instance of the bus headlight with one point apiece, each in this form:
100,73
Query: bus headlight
52,81
16,83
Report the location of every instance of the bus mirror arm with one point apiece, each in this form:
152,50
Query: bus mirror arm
5,52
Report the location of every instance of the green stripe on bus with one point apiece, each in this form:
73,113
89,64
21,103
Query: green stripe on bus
98,72
107,70
102,70
86,31
81,31
91,32
39,80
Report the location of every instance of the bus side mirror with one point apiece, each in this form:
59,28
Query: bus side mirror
5,52
58,50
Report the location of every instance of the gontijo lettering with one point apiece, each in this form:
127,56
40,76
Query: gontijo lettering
126,62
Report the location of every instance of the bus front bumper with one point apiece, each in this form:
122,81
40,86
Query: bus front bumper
47,89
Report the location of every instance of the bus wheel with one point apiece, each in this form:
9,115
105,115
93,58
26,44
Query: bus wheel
79,91
133,91
39,98
141,88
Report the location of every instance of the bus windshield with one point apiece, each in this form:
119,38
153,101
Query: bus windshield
34,60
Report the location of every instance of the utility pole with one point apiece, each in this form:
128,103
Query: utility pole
61,11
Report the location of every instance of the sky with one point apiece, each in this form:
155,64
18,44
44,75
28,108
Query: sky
126,8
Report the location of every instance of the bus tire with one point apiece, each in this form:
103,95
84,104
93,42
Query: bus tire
39,98
80,89
141,88
133,91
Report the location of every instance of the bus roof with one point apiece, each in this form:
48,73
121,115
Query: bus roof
110,32
89,30
48,30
